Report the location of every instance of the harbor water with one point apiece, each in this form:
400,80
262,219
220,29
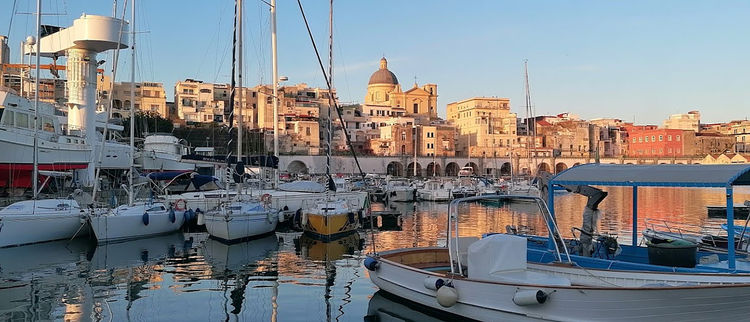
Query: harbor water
285,276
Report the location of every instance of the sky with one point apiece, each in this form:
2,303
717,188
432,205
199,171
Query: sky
633,60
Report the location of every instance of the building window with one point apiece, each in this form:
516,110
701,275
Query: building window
416,108
661,138
677,138
647,139
653,138
669,138
634,140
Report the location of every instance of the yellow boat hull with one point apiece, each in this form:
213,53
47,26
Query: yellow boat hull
330,225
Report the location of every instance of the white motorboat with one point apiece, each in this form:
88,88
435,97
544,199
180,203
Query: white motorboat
462,279
241,219
34,221
399,190
142,219
163,152
435,190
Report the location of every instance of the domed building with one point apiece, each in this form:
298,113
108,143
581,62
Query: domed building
385,97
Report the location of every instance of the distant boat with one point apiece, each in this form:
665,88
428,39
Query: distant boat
435,190
399,190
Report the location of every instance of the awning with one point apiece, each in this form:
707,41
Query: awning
661,175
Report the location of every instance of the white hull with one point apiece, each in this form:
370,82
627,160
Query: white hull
493,301
434,195
400,195
27,222
237,225
161,161
126,223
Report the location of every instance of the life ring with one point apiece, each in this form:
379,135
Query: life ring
265,198
179,207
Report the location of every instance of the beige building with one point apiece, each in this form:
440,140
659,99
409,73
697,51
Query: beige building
194,101
690,121
485,126
385,97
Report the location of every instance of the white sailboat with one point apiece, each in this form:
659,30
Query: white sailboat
136,219
244,216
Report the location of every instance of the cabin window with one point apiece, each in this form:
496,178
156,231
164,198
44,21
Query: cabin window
8,118
47,124
22,120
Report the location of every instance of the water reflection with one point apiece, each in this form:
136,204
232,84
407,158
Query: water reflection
286,277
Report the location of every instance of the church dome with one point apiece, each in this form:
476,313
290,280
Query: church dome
383,75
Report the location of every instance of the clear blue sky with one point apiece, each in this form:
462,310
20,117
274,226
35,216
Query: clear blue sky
639,60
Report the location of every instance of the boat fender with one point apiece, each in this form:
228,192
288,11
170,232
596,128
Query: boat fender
447,296
433,283
171,215
529,297
281,215
270,215
297,220
201,219
371,263
145,218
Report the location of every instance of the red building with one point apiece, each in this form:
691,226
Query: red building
656,142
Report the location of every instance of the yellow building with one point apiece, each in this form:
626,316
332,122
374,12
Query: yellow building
385,98
485,125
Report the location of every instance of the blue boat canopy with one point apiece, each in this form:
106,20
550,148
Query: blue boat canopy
662,175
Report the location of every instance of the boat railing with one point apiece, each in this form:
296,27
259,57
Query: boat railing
556,239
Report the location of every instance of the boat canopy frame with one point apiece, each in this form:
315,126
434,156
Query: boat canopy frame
662,175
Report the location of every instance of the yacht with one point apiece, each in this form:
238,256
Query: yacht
399,190
435,190
163,152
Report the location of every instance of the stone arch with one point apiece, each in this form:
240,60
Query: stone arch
474,167
543,167
505,169
613,163
410,169
576,164
297,167
433,169
395,168
452,169
560,167
126,105
680,162
630,163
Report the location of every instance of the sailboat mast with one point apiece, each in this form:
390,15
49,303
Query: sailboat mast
35,171
132,104
239,93
329,124
529,116
275,82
